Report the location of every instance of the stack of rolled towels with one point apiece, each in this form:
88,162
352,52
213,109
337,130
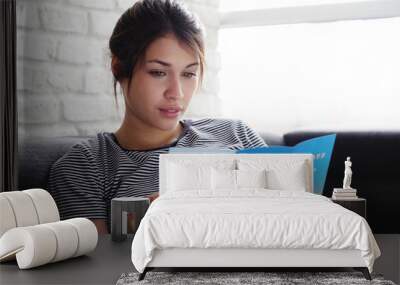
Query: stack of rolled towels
31,231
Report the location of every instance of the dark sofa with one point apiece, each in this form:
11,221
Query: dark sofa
375,157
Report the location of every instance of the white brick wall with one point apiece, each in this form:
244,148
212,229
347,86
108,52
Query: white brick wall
27,15
59,18
97,108
103,4
63,77
81,50
98,80
44,49
124,4
34,108
102,23
208,15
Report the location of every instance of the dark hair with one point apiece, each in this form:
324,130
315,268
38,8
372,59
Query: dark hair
143,23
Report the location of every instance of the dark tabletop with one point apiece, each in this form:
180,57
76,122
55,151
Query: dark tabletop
104,265
110,259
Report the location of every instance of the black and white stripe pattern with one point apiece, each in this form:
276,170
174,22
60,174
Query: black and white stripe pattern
84,180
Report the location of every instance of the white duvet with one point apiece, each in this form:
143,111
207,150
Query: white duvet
250,219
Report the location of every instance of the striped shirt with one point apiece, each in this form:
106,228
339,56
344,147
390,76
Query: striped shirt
84,180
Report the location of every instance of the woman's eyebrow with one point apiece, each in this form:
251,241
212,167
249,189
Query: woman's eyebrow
192,64
168,64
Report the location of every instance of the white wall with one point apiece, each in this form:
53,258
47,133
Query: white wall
64,78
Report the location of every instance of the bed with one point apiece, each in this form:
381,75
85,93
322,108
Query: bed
246,211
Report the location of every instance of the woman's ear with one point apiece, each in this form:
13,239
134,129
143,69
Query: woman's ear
115,66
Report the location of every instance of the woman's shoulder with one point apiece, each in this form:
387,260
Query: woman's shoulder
217,123
221,126
93,144
228,131
89,148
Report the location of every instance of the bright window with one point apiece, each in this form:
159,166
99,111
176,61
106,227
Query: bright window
340,74
240,5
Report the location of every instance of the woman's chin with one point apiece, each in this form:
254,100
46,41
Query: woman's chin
168,125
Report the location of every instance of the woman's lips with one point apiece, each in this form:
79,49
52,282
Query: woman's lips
170,112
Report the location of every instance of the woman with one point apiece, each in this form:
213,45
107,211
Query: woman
157,51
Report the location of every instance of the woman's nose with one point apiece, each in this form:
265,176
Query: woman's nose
174,90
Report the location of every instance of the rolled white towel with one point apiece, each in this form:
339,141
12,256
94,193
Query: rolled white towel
40,244
26,208
67,240
87,235
33,246
45,205
23,208
7,218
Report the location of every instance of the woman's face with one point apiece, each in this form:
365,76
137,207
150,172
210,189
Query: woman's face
162,85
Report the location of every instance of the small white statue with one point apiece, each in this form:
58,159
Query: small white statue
347,174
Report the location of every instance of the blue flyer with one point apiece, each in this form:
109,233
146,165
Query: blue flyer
320,147
201,150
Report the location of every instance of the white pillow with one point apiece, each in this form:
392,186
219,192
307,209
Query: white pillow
188,177
251,178
228,179
281,174
293,178
223,179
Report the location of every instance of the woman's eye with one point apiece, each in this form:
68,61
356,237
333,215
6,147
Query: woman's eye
189,74
157,73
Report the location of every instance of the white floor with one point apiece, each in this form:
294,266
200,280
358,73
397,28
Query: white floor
389,262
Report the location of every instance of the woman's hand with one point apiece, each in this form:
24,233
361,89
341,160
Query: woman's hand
153,196
132,216
101,226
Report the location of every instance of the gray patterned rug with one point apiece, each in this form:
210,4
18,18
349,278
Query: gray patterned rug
269,278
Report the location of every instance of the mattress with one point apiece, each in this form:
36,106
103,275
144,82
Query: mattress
250,219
